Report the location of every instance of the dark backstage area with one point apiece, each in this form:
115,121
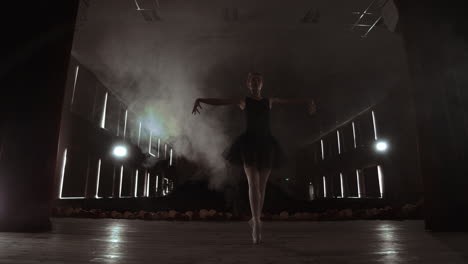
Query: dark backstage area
157,131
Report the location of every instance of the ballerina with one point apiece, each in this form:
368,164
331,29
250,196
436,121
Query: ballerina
256,150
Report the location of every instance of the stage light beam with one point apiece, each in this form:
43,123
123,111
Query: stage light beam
120,151
381,146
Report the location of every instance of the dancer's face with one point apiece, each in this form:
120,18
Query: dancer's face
255,84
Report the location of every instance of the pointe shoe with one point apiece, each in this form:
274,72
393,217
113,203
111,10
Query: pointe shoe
255,240
256,236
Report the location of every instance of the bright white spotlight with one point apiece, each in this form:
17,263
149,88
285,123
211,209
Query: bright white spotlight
120,151
381,146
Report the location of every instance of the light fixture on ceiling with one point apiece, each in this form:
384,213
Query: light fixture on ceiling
373,11
149,14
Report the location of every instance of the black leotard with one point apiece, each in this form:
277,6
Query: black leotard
256,146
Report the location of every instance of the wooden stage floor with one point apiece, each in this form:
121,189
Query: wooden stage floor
75,240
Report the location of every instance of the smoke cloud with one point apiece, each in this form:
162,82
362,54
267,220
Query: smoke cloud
161,77
160,68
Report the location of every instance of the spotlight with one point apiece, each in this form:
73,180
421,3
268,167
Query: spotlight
381,146
120,151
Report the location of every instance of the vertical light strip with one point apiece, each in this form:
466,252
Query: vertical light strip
156,186
139,134
157,183
342,185
136,184
97,180
358,184
381,182
159,143
321,147
149,144
165,150
375,126
74,84
311,191
62,173
354,134
121,180
339,142
324,187
147,185
170,158
103,121
125,123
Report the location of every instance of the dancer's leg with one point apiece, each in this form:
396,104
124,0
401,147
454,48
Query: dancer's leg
264,174
254,198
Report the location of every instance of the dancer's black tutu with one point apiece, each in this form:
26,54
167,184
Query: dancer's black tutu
256,146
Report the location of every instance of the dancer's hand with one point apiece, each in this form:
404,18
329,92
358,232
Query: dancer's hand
311,108
196,106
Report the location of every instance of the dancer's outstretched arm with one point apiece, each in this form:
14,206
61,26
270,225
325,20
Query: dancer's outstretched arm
216,101
311,107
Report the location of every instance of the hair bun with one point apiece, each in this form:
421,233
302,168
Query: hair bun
254,73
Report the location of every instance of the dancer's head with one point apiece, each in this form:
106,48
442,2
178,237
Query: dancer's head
255,82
